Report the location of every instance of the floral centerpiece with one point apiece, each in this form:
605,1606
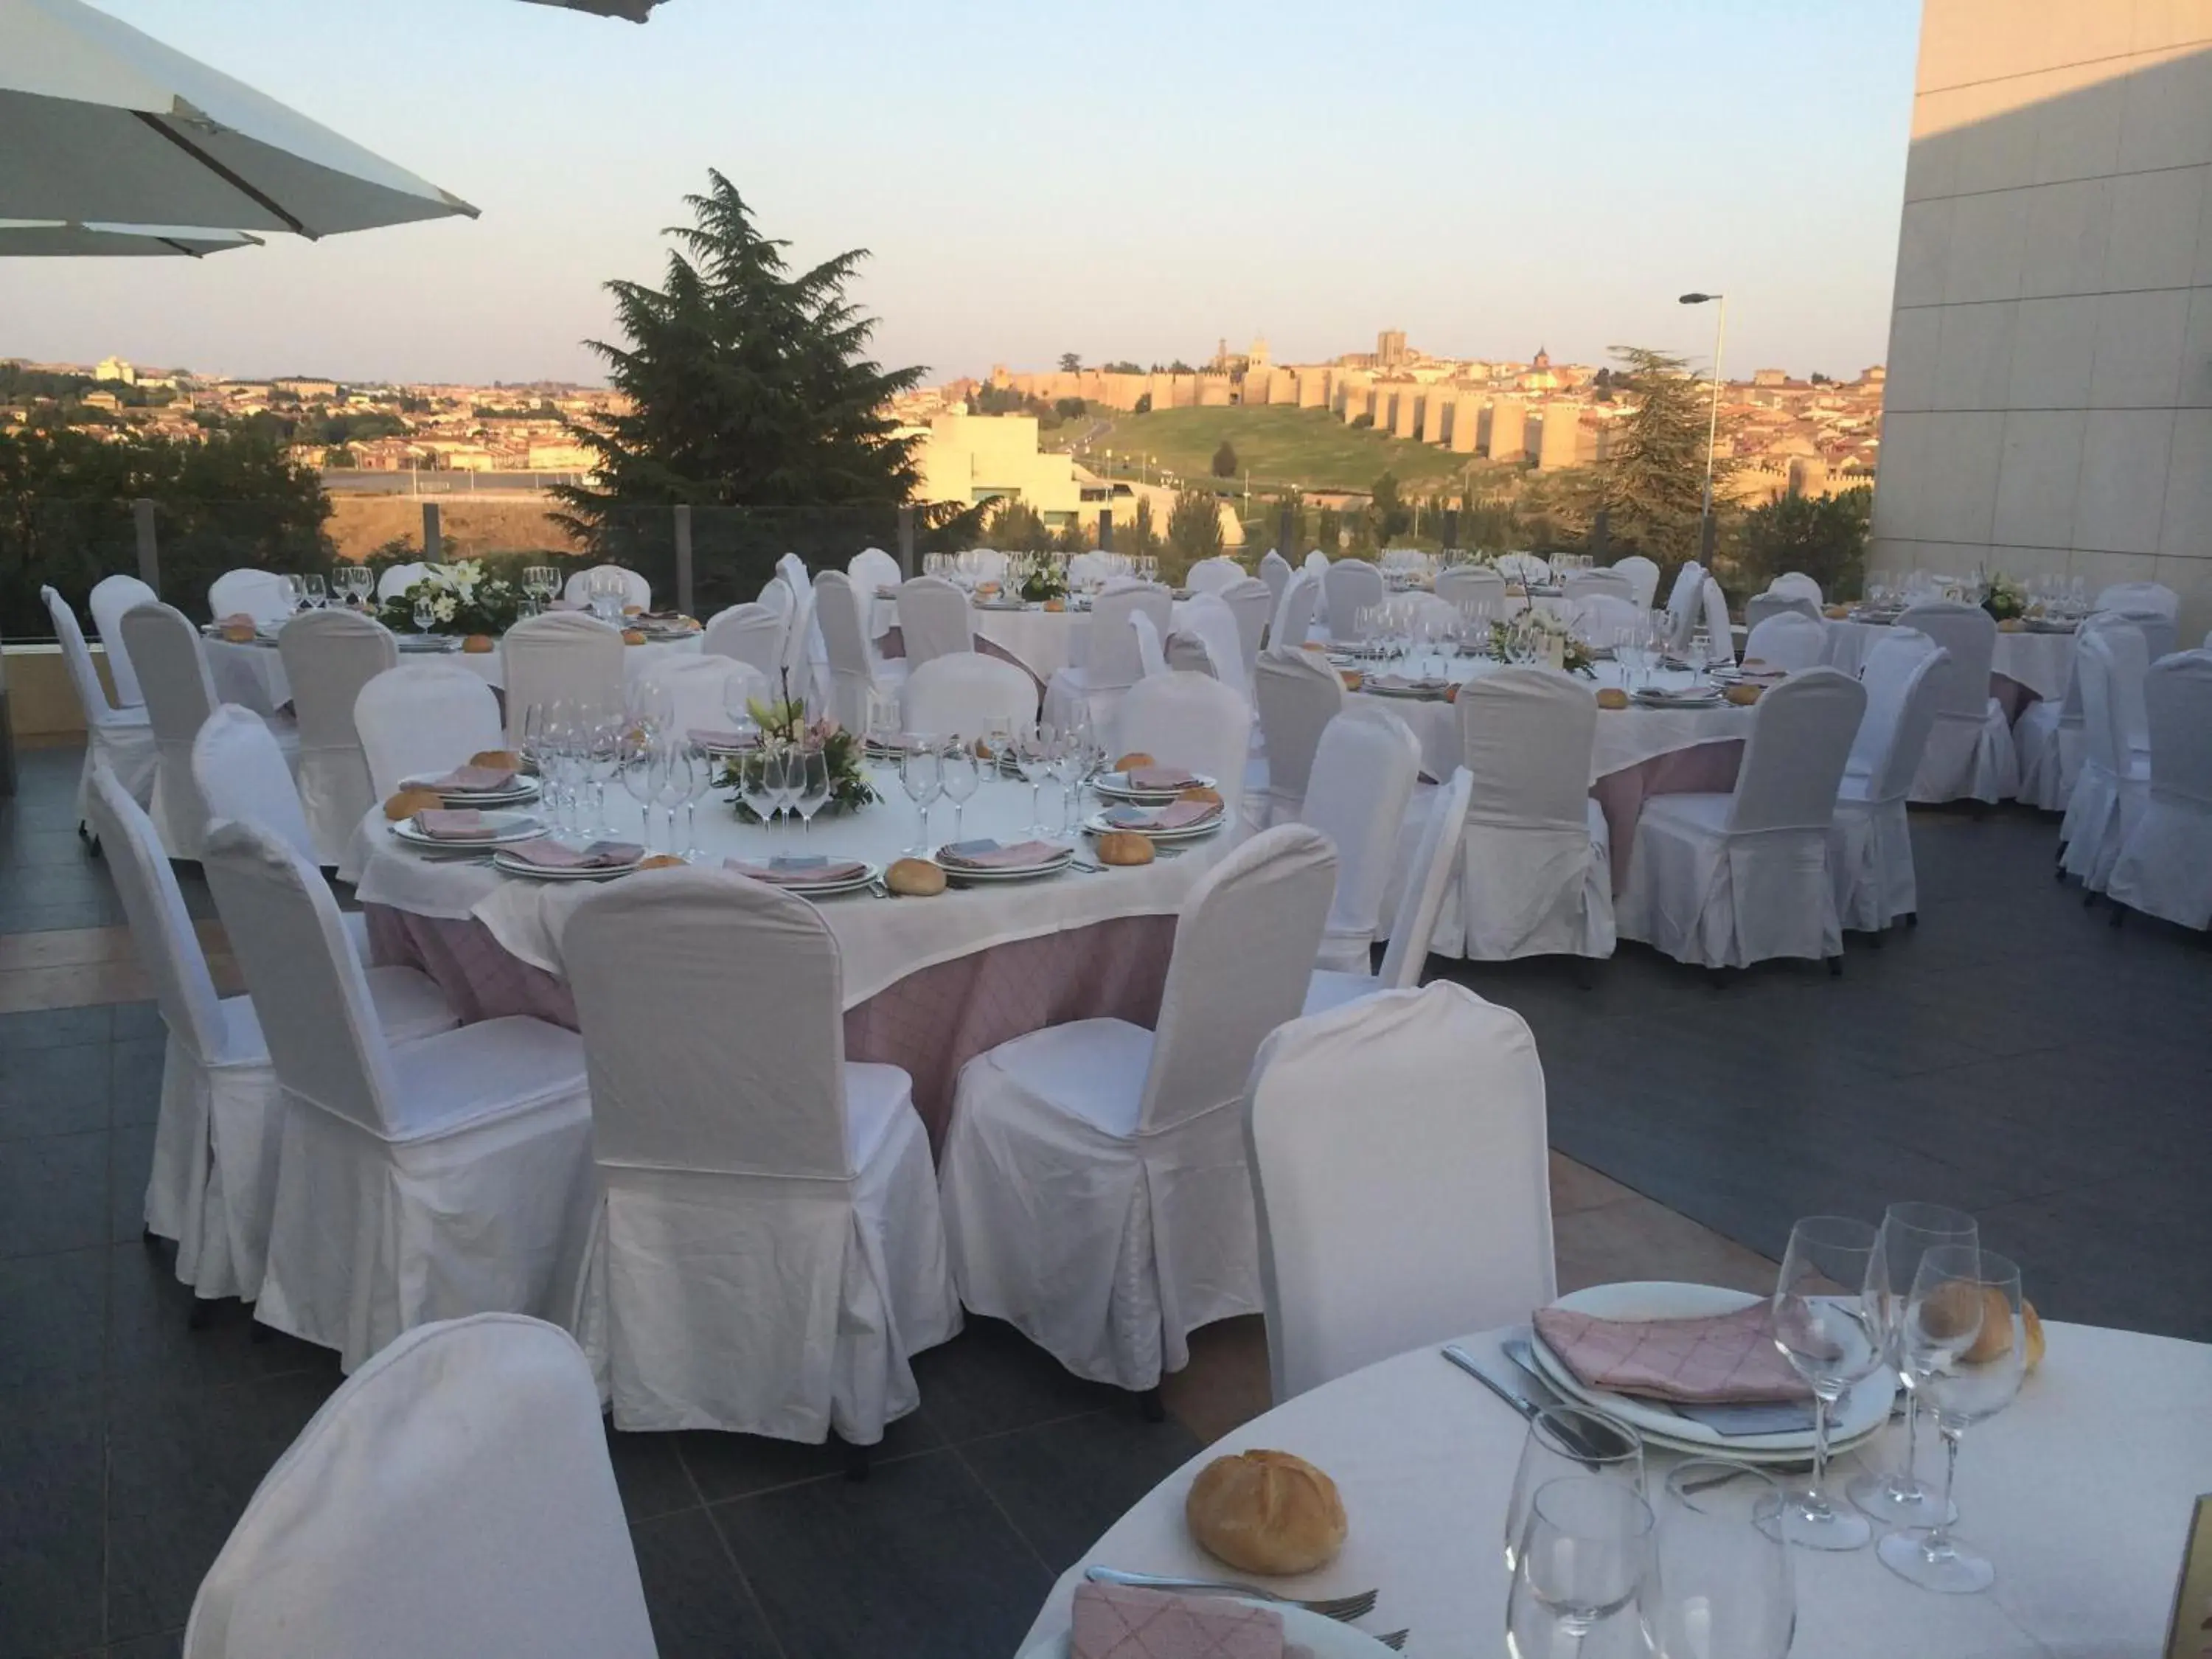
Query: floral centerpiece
783,724
2004,599
459,598
1539,637
1044,578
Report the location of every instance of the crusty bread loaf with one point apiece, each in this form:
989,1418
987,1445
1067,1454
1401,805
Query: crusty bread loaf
1743,696
1200,793
499,759
408,802
915,879
1124,847
1132,760
661,861
1612,696
1266,1513
632,636
478,644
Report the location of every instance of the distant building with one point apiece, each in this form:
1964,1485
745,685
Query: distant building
1390,348
306,389
115,369
967,458
102,400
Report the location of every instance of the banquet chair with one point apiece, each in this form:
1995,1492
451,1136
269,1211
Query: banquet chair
2157,628
872,570
563,656
1093,1176
636,590
396,579
215,1143
1292,624
1098,566
765,1252
1400,1180
1600,618
2165,864
1191,721
1471,584
1363,776
179,696
111,597
2114,782
1428,884
985,564
1212,575
1970,752
1724,881
1788,641
1872,844
1761,606
1350,587
853,674
1152,649
1187,652
802,639
452,1499
961,694
263,595
328,656
750,633
1591,583
1297,694
935,619
421,719
1535,875
1252,604
1111,663
415,1181
1275,576
2153,597
1715,619
1684,601
2048,736
1207,618
121,738
1795,585
704,691
1643,578
241,773
1524,566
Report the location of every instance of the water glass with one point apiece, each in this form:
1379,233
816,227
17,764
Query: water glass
756,783
314,591
1721,1585
963,776
921,775
813,764
426,615
673,776
1582,1565
1553,1449
1827,1323
1033,754
640,756
1909,1232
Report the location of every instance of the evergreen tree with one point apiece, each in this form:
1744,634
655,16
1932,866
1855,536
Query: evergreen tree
1070,363
1824,537
1194,525
1651,482
1390,515
1225,460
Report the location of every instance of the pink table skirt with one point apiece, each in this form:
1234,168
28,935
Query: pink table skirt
892,645
930,1023
1708,768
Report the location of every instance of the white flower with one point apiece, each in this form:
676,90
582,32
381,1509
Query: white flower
445,608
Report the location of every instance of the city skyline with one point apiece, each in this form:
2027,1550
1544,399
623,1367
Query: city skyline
1485,179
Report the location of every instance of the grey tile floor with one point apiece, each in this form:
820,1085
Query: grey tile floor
2012,1054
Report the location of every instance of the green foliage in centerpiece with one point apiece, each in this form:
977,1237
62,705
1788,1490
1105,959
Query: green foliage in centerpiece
784,723
2004,599
462,598
1533,631
1046,580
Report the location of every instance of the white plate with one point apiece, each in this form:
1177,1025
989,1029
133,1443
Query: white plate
1866,1408
428,644
827,889
1644,699
1324,1638
499,827
507,864
1097,825
1116,786
1019,872
523,789
1410,693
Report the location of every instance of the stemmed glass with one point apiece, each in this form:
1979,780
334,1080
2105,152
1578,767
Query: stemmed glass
963,776
314,591
602,732
638,758
1721,1585
296,593
1033,758
541,582
921,775
757,782
1968,1343
812,762
1582,1561
1827,1322
1909,1232
425,616
1070,765
1557,1444
674,768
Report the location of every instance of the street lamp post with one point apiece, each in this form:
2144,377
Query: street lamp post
1713,417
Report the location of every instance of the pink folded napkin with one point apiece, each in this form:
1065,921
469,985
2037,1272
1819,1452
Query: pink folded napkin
798,872
1176,815
990,855
454,823
550,854
1162,779
1722,1359
1116,1621
706,738
472,780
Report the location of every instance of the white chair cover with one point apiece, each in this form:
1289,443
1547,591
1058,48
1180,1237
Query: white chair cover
1213,575
179,696
935,619
1716,622
1471,584
241,773
1788,642
1292,624
636,590
1093,1176
421,719
1207,618
1112,661
700,690
766,1250
852,673
1761,606
563,656
1795,585
1089,567
802,639
1535,858
2113,784
2164,865
1297,694
122,739
1252,604
1643,578
1187,652
2153,597
1361,777
2048,737
1401,1178
985,563
451,1500
1876,882
1970,752
1275,576
415,1182
961,694
750,633
111,597
1684,603
1191,721
1349,587
872,569
1593,584
1600,618
1524,566
329,655
1421,902
261,594
398,579
1724,881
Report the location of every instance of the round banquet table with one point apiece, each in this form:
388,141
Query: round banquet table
2081,1492
928,983
253,676
2025,668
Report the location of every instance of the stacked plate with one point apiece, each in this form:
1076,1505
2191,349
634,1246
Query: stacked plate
1688,696
426,642
955,871
831,885
1864,1411
515,794
1116,786
508,863
1302,1633
1096,823
499,829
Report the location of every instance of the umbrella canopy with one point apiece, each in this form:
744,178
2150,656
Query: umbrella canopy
53,237
635,10
102,124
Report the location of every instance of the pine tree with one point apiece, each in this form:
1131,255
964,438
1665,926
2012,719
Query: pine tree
1225,460
1652,484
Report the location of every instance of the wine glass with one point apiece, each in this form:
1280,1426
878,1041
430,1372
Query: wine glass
541,582
1582,1561
426,615
921,775
296,593
1827,1322
1909,1232
602,753
1558,1444
1968,1342
813,767
314,591
1070,765
757,782
1033,759
673,772
651,706
963,775
640,756
1721,1585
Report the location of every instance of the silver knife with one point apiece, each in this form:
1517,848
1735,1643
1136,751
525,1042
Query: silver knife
1461,1358
1597,1442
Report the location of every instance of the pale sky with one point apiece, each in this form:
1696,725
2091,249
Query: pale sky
1134,181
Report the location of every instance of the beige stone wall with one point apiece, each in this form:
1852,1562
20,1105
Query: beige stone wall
1213,391
2049,400
1436,414
1559,443
1406,410
1505,436
1465,421
1312,387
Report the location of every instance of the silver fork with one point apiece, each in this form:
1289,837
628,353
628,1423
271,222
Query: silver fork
1341,1607
1395,1640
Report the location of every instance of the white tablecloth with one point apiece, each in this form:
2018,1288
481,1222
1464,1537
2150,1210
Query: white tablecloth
882,941
253,676
2044,663
2081,1493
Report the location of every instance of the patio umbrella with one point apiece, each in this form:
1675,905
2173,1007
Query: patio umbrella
102,124
53,237
635,10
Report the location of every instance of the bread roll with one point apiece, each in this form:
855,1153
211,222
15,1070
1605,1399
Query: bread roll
1612,696
408,802
477,645
2012,625
2033,1322
1266,1512
915,879
1353,679
1838,612
1124,847
1055,604
1754,664
238,633
632,636
632,610
1743,696
1200,792
502,759
1132,760
661,861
